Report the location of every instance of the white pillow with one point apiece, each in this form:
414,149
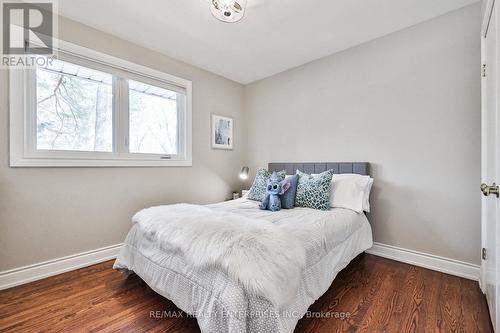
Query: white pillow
366,201
351,191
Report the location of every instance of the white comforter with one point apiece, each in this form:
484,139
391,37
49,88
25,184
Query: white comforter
330,239
265,258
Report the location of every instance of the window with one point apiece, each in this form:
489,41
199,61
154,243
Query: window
74,108
90,109
152,119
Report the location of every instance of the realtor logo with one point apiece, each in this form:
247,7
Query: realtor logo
28,33
27,27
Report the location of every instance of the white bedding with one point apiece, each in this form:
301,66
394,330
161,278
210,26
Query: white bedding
265,258
331,239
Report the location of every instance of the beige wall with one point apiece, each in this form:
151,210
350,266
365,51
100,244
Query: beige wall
50,213
409,103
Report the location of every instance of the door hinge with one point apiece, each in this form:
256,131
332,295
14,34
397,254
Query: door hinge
483,70
483,253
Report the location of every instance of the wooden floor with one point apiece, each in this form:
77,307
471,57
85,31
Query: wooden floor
380,295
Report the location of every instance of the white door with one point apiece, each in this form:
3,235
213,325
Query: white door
490,164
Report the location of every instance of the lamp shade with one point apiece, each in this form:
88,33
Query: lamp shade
244,173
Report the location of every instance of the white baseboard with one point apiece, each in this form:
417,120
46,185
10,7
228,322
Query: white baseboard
436,263
21,275
30,273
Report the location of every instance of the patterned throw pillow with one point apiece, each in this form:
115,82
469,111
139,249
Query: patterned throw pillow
313,191
258,189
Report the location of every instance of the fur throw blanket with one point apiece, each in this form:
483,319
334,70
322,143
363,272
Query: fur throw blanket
264,258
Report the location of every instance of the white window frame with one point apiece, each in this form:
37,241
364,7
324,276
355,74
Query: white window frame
22,87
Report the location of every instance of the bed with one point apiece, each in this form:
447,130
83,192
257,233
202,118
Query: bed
330,240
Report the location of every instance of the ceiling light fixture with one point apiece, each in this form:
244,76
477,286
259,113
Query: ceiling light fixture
228,10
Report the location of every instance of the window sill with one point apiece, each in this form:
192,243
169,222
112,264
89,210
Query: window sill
94,163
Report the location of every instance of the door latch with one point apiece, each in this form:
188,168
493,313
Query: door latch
487,190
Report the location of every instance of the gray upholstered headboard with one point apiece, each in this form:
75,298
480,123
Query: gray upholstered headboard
361,168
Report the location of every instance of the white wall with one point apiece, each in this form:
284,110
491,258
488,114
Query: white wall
54,212
409,103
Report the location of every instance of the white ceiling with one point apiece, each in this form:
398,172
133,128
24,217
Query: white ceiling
274,35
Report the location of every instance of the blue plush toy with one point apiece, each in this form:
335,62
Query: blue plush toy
274,189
